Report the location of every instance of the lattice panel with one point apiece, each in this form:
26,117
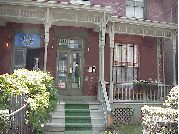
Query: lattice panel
122,114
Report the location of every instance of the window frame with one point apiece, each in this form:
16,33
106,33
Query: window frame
144,9
121,71
90,2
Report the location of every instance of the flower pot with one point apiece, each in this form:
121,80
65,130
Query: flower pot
141,87
154,87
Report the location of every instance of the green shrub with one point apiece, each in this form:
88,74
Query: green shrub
40,89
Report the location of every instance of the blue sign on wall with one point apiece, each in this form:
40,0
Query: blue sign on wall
27,40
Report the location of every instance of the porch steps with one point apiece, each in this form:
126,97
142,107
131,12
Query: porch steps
77,117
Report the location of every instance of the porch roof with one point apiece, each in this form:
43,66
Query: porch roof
35,12
142,27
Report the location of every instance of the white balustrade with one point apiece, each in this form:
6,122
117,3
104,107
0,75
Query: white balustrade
126,93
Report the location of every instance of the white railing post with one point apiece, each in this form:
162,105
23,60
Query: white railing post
111,35
173,38
99,83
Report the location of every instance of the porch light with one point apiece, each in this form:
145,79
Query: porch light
52,45
7,44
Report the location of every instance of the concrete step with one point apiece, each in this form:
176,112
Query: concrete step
90,98
96,113
57,126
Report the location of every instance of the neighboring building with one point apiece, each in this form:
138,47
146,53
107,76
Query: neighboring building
83,44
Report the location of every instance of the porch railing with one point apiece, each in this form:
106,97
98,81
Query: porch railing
126,93
105,102
16,115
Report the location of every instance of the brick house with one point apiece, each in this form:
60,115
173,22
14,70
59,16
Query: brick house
90,46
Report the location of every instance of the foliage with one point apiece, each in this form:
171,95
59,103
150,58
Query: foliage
3,121
140,82
162,120
40,89
145,82
172,98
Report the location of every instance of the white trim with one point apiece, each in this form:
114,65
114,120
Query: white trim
135,103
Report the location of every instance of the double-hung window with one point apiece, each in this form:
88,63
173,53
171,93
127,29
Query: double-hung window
135,9
125,63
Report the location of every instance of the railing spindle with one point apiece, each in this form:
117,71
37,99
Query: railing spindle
122,92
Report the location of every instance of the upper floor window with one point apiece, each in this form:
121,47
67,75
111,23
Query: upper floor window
135,9
85,2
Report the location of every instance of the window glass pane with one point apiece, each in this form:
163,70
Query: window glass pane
139,0
19,59
129,3
136,55
139,4
139,12
124,48
63,60
130,55
129,11
76,74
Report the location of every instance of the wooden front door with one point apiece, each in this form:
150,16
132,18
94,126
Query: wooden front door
70,72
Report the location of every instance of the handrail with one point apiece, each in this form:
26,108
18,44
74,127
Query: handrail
105,101
18,110
105,96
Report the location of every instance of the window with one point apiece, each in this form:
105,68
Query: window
85,2
135,9
125,63
71,43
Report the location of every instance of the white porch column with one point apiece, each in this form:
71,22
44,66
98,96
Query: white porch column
158,59
173,38
103,31
99,83
47,24
111,36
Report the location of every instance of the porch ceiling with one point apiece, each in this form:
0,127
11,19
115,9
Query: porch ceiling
142,27
61,14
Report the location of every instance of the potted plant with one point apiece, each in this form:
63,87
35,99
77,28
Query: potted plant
153,84
141,85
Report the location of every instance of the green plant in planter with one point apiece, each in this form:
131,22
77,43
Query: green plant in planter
40,89
141,82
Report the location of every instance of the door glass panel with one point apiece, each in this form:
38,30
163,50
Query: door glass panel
63,62
19,58
76,66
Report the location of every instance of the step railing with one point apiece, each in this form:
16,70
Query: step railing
105,102
126,93
16,115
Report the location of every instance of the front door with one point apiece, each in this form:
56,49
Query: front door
70,72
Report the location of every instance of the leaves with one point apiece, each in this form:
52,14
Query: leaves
40,88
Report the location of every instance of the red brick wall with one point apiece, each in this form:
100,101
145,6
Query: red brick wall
5,53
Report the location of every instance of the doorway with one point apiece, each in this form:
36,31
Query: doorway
27,58
70,72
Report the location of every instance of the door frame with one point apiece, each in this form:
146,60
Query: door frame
13,57
69,90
